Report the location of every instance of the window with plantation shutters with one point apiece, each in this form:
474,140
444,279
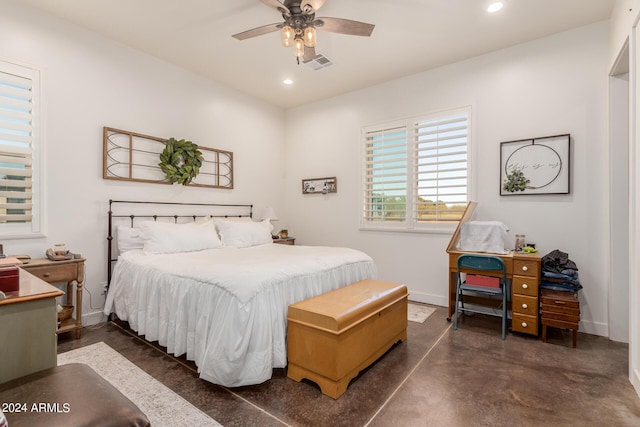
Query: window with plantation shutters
416,171
19,213
385,178
440,185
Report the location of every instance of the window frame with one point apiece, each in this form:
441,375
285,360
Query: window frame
410,223
36,227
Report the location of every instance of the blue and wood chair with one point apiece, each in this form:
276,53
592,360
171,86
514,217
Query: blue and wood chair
484,265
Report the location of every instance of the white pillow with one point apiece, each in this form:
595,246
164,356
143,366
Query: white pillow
242,234
129,238
168,238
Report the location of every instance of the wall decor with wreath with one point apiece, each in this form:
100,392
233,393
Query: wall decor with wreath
131,156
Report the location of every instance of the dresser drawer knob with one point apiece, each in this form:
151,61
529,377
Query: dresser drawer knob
524,268
524,305
525,286
47,274
524,324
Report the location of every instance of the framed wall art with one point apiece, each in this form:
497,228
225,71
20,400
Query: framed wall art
535,166
320,185
131,156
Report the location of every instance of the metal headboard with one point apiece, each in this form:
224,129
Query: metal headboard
243,210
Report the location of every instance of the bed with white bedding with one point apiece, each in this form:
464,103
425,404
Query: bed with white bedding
224,306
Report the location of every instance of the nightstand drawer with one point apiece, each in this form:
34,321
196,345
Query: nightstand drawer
55,273
525,305
524,267
551,308
560,302
524,323
285,241
566,317
525,285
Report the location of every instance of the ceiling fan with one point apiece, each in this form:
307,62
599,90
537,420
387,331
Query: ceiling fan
300,23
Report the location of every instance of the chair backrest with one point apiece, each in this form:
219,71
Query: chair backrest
481,262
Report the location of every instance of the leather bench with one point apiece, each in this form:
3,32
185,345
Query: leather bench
67,395
333,336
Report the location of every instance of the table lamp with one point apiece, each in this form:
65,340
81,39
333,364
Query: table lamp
270,214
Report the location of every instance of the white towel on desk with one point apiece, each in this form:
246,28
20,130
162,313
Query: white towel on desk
483,236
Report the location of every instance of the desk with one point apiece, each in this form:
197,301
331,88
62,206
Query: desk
67,271
523,269
28,333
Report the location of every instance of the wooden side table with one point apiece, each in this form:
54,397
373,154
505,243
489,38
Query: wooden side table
285,241
559,310
67,271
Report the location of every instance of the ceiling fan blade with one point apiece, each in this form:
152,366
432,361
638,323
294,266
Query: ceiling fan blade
275,4
309,54
266,29
314,4
344,26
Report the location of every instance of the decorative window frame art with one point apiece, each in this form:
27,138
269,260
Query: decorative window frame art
320,185
535,166
131,156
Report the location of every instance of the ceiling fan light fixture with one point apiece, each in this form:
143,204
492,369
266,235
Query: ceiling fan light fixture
298,47
300,24
310,37
287,36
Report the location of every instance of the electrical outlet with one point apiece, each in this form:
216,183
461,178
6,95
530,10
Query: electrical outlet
104,288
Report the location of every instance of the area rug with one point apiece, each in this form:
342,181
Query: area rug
162,406
419,313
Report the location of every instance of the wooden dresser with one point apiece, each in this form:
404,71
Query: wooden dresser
524,293
69,272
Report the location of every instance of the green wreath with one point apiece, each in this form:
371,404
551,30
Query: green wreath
515,181
180,161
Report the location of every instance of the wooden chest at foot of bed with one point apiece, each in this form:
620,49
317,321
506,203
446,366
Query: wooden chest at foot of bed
333,336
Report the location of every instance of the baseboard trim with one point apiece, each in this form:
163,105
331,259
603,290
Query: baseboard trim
428,299
635,381
93,318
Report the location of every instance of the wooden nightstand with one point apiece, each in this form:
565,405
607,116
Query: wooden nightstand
67,271
560,310
285,241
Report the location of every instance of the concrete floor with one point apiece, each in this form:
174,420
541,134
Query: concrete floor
438,377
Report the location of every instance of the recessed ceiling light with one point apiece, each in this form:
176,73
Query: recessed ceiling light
288,82
494,7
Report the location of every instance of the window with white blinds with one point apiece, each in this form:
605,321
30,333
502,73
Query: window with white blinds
415,171
385,178
19,90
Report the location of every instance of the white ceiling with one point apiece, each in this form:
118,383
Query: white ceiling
410,36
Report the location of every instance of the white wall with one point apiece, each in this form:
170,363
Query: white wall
624,35
550,86
90,82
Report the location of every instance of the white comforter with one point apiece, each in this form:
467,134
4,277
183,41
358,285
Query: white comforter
226,308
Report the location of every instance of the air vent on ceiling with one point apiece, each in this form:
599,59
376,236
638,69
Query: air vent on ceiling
320,61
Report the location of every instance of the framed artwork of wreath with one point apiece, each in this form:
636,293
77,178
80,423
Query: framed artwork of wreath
535,166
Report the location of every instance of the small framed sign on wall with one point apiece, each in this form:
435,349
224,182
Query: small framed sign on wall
320,185
535,166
